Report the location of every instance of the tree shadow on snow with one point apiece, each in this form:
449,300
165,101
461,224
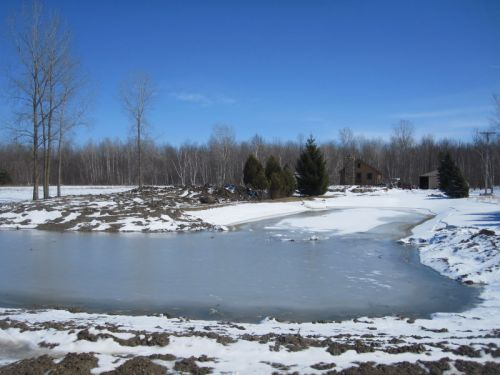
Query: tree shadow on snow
487,220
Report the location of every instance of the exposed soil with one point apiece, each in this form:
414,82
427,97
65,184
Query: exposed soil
71,364
148,209
140,338
335,345
189,365
82,364
138,366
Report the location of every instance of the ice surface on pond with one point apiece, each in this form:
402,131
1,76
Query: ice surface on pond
244,275
341,221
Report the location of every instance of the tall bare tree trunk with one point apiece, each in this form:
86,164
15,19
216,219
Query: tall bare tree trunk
137,94
139,153
48,144
59,154
35,151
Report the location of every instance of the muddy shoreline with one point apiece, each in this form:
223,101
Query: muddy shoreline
149,209
462,357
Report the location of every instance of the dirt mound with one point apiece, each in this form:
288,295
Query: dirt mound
72,364
145,209
138,366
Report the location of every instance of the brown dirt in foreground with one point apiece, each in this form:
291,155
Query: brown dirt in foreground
82,364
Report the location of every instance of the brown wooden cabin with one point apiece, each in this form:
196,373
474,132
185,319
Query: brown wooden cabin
357,172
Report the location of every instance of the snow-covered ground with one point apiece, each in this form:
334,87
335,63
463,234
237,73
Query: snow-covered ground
9,194
460,241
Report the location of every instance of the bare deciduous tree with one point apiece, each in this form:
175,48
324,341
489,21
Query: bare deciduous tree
27,80
403,141
222,143
137,94
60,70
42,83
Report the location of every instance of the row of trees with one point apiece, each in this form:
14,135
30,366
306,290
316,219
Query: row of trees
222,159
279,181
310,175
46,86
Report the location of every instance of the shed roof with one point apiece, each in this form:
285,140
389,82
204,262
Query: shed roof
430,174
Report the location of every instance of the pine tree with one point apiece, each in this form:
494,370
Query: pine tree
445,170
251,170
280,182
312,178
290,181
277,185
260,182
272,166
451,179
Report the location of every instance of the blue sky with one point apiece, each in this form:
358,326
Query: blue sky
284,68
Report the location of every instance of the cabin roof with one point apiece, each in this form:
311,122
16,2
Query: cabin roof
365,163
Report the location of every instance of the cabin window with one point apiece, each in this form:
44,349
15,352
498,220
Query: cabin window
369,176
358,176
359,165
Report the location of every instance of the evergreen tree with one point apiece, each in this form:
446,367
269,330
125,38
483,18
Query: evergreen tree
312,178
272,166
5,177
280,182
444,170
251,170
260,182
290,181
277,185
451,179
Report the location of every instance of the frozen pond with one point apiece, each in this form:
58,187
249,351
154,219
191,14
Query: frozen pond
242,275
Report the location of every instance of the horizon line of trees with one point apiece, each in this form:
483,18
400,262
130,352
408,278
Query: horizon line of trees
221,159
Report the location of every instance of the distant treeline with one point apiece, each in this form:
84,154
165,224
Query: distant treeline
222,158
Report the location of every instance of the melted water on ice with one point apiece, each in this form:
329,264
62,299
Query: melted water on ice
241,275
